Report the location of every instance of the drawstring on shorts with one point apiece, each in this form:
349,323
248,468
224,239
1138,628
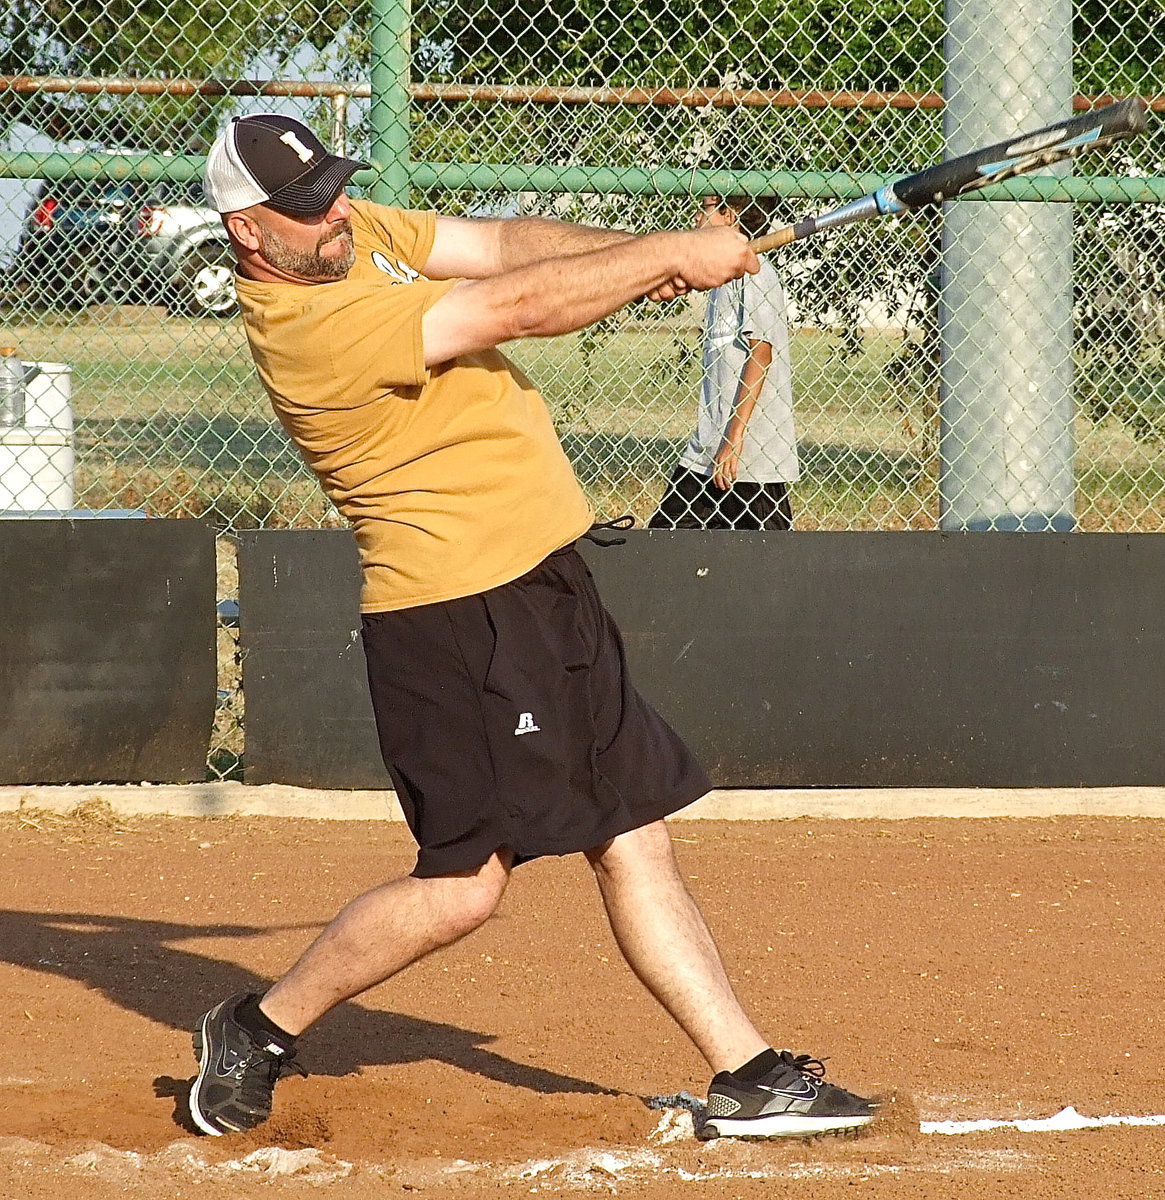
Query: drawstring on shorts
626,521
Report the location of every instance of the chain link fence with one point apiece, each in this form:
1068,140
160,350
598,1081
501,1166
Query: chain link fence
998,364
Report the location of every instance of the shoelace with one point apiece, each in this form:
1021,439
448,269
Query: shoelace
805,1063
255,1085
623,522
278,1066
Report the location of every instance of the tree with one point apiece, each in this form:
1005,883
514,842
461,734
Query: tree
807,43
1120,46
200,39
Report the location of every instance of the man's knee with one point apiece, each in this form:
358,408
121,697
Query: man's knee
470,898
648,845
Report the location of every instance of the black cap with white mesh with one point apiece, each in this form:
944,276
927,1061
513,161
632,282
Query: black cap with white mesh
274,160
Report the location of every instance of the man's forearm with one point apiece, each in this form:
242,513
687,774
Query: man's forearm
561,295
523,241
565,293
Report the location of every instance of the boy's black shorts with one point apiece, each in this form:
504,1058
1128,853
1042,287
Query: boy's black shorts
693,501
507,719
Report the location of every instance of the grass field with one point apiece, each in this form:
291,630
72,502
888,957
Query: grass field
171,418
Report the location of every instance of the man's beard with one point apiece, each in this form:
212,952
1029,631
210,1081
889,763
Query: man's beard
309,264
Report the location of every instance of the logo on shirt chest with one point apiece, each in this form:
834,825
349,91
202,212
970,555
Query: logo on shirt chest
396,270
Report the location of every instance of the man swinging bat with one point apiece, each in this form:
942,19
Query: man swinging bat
504,711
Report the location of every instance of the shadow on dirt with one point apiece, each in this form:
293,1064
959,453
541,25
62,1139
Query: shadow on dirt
141,966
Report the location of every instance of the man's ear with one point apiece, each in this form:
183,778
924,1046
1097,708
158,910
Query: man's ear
243,229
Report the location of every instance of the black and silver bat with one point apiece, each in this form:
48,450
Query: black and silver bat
969,172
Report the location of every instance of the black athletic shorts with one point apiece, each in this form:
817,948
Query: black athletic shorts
506,719
693,501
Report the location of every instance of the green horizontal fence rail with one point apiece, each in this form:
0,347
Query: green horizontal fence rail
627,181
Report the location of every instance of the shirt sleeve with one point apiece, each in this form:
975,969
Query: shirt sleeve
763,307
344,344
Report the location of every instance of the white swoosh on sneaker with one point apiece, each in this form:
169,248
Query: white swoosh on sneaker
805,1089
228,1060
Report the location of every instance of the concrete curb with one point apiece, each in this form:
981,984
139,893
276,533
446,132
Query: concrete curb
279,800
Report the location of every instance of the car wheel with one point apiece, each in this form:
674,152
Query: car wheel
205,282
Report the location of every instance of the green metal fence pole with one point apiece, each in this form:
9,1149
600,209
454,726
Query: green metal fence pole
389,112
1006,447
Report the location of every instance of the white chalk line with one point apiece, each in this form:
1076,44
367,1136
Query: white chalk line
1066,1118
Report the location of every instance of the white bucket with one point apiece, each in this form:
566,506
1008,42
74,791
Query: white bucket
36,457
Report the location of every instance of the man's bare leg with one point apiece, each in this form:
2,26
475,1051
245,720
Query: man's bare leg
380,933
244,1049
666,942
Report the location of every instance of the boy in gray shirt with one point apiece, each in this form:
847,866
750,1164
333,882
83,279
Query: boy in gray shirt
734,471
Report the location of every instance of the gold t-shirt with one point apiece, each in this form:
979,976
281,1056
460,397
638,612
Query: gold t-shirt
453,477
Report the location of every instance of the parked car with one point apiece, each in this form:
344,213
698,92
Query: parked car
186,250
72,241
125,241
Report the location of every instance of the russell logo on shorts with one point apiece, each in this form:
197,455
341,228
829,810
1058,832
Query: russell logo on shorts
526,724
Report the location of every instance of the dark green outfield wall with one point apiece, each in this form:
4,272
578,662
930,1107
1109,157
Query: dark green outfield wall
810,659
107,650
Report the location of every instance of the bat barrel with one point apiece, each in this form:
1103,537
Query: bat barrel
1022,153
1122,119
957,176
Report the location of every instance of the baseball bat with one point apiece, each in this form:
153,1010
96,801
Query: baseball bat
968,172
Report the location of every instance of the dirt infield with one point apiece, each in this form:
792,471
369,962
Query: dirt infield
971,969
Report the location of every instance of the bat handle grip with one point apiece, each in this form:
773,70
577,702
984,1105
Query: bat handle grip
771,241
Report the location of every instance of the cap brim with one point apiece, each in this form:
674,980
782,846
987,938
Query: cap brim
315,192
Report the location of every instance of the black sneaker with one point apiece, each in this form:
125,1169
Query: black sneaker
236,1072
789,1100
